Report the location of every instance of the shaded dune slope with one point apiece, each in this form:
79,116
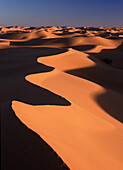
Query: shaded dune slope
22,148
115,56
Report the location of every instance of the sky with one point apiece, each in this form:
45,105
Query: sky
106,13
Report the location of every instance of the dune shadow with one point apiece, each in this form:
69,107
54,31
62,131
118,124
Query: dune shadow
104,34
19,62
113,55
14,35
111,104
94,29
22,148
83,47
64,42
104,78
19,53
24,91
115,38
36,41
64,33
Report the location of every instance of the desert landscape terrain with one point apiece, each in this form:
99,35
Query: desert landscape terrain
61,98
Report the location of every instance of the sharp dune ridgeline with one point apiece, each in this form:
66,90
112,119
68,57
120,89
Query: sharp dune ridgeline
61,98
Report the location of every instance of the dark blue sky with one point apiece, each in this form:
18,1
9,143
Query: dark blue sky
61,12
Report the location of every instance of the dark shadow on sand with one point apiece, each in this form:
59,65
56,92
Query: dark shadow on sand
101,76
90,74
64,42
112,105
23,149
83,47
114,55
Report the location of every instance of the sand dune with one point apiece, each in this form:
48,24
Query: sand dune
71,128
65,85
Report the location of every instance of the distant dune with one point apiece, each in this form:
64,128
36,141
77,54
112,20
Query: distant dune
61,98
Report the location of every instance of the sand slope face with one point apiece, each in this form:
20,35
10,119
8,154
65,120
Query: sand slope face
86,129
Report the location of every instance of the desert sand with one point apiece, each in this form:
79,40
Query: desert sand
61,98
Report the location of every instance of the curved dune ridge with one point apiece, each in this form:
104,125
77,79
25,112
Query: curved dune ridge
82,67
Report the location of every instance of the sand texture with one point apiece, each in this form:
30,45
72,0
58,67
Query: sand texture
61,98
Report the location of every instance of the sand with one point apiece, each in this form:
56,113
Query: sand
63,86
